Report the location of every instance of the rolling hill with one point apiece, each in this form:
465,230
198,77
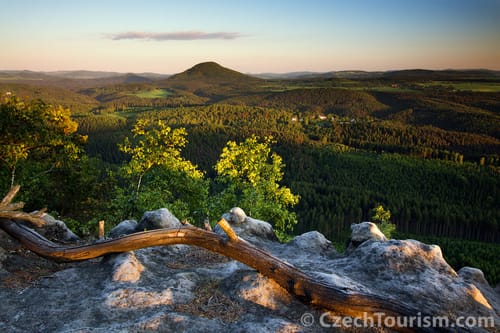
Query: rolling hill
210,79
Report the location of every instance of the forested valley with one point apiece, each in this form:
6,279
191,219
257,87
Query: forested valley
426,147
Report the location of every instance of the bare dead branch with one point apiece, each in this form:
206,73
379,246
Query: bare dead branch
10,210
10,195
227,229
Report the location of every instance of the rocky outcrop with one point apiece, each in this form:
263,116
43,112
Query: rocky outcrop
247,227
184,288
158,219
362,232
123,228
56,230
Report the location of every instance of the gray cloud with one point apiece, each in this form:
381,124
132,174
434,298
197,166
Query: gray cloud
181,35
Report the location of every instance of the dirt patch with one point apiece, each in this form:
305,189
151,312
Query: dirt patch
195,257
210,302
24,267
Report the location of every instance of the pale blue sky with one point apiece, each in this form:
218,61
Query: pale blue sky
249,36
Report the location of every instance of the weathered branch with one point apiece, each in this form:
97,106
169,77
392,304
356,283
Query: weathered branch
10,196
9,210
228,230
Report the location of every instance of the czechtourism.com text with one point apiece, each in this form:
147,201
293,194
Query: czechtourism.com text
380,319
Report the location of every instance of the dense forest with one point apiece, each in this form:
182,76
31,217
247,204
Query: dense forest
425,145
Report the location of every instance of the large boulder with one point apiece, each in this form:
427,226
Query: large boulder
158,219
56,230
362,232
313,242
123,228
247,227
473,275
236,216
126,267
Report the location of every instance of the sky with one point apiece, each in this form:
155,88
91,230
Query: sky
257,36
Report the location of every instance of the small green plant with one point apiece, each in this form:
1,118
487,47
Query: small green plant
82,229
382,218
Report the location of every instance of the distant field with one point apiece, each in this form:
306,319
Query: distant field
155,93
282,88
465,86
132,112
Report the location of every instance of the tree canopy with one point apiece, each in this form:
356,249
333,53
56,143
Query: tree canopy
172,180
30,128
253,174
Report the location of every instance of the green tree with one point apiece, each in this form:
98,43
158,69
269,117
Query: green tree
382,218
36,129
159,174
252,174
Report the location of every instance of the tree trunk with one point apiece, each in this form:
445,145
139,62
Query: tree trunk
12,176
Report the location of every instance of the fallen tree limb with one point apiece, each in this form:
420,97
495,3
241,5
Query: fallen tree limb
306,288
9,210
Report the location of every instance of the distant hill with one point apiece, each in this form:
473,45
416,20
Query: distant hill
442,75
405,74
77,79
210,79
83,74
211,71
78,103
89,75
134,78
29,77
318,75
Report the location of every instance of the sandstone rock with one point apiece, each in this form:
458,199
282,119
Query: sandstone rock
473,275
258,289
56,230
312,241
364,231
158,219
3,256
123,228
258,228
247,227
126,267
174,279
235,216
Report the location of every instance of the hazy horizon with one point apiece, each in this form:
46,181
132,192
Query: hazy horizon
251,37
250,73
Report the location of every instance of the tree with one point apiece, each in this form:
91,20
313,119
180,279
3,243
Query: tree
36,128
383,219
252,174
170,179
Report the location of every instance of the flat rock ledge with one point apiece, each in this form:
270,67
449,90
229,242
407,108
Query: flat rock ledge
182,288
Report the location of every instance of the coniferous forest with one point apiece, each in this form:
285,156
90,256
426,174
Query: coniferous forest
423,144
